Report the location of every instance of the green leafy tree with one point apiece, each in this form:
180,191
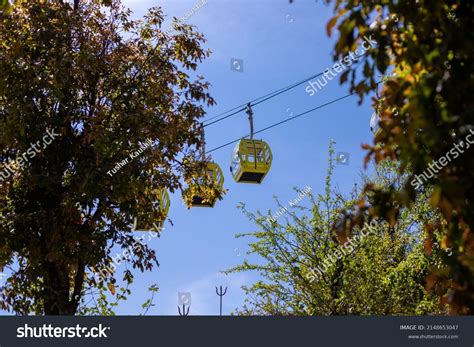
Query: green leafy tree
4,5
97,301
101,84
306,270
426,110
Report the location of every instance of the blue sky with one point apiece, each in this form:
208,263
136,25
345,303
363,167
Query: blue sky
279,44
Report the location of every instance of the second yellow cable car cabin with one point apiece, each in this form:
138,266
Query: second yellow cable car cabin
161,207
205,189
251,161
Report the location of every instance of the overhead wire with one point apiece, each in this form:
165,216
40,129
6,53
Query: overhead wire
284,121
268,96
263,98
257,101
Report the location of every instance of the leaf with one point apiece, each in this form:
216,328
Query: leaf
331,24
146,303
111,288
344,76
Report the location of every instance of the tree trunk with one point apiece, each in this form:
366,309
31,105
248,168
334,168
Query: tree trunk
57,290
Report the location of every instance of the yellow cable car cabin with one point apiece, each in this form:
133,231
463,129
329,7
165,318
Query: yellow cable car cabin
251,161
155,219
204,190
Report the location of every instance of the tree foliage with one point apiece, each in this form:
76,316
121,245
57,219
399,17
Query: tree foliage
425,50
305,271
104,83
4,5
